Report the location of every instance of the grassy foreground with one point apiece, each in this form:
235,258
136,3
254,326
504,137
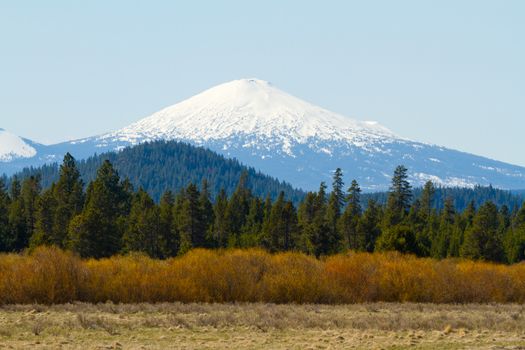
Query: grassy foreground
253,326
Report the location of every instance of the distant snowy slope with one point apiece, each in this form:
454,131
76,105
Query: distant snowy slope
13,147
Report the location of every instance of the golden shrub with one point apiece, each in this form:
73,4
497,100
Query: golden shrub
49,275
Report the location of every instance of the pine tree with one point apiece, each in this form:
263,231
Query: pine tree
271,236
468,215
30,193
168,232
445,242
282,228
221,225
399,197
336,203
15,188
483,240
16,217
69,200
504,218
321,235
191,225
252,229
238,207
97,231
5,203
306,215
427,200
45,219
180,222
398,237
206,208
143,231
514,239
22,215
369,225
337,188
289,224
349,221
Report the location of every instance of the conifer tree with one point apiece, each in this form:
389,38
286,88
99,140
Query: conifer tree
282,226
69,199
191,225
30,193
97,230
22,216
369,225
306,215
273,230
180,223
168,232
338,188
143,231
15,188
504,218
335,206
238,207
514,239
398,237
399,197
45,219
468,215
444,243
220,224
483,239
5,202
253,226
349,221
321,235
206,208
289,224
16,216
427,200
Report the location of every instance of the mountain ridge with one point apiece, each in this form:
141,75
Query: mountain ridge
283,136
160,166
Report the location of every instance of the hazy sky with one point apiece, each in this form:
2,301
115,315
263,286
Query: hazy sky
444,72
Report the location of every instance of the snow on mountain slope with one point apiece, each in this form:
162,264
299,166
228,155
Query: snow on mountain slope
258,111
293,140
12,147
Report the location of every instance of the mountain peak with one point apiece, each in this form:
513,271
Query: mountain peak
281,135
254,110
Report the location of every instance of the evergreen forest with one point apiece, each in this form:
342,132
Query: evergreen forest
108,216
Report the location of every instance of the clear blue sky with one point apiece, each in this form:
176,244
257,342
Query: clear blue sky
444,72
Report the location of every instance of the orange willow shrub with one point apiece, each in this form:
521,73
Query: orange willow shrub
296,278
49,275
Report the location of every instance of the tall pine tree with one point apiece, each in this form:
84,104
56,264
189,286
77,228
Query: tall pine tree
97,230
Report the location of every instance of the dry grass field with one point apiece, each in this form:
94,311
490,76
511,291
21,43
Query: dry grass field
268,326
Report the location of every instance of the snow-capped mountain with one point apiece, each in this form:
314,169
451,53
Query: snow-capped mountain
283,136
252,111
13,147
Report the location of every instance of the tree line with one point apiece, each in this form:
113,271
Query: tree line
108,217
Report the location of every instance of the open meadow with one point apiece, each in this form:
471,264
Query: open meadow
249,299
258,325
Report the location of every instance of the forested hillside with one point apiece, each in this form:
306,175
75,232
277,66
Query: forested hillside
161,166
112,217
